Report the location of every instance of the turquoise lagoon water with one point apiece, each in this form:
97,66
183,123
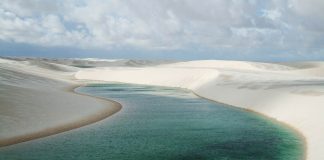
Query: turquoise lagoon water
165,123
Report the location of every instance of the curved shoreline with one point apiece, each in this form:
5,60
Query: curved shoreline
273,120
113,108
102,114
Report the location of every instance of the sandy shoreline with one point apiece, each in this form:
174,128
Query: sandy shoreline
273,120
112,108
37,102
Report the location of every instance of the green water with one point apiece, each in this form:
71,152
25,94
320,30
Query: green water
165,123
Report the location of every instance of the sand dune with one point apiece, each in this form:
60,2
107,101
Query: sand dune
53,66
290,93
38,101
305,65
237,65
93,62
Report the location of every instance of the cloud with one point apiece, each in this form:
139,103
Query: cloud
212,25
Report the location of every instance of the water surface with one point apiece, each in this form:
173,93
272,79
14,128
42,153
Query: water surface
165,123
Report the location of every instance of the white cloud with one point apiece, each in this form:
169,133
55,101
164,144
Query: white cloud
272,14
164,25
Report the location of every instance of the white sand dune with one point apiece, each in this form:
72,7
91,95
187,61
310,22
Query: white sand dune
291,93
53,66
309,68
36,100
94,62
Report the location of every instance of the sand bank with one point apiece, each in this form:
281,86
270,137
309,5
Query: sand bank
38,102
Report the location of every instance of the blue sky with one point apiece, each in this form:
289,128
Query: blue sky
273,30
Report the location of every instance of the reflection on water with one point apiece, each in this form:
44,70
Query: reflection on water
165,123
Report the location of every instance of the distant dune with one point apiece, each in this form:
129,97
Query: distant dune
93,62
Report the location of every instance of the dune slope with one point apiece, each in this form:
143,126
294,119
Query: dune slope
37,102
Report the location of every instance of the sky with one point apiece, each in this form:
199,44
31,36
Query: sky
264,30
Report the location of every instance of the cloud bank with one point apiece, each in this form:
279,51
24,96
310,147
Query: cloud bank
276,27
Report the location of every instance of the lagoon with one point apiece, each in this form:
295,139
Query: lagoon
166,123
